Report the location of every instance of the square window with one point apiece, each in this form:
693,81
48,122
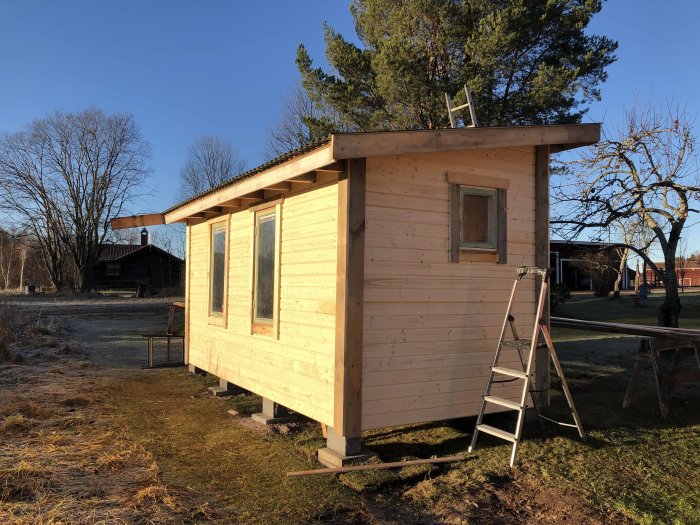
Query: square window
113,269
477,221
478,218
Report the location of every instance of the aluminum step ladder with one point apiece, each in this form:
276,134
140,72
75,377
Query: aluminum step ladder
525,374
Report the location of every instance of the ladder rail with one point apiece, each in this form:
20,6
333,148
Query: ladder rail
564,383
487,390
530,358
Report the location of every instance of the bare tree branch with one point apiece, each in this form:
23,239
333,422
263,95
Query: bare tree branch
64,177
211,161
644,174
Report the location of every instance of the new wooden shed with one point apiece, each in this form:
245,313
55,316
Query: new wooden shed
362,280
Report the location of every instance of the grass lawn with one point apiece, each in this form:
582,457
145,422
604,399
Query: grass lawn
86,443
632,468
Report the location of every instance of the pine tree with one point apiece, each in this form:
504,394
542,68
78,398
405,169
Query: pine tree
526,62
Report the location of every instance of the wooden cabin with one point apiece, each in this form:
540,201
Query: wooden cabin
142,268
362,280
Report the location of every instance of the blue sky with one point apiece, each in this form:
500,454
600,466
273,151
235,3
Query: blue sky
187,68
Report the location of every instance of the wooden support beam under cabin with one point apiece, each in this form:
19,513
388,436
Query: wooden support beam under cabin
137,221
542,379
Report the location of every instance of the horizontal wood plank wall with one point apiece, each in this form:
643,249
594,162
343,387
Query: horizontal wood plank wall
430,325
296,370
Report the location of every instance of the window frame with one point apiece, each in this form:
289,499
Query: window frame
214,317
459,184
266,326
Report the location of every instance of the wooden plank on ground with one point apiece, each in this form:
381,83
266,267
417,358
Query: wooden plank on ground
374,466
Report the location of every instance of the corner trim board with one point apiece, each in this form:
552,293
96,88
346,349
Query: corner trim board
542,260
349,331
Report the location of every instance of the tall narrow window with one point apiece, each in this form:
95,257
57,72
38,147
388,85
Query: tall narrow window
264,292
218,269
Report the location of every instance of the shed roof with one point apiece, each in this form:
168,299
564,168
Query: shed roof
113,252
327,154
120,252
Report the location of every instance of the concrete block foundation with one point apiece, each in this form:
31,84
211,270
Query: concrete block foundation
342,451
226,389
197,371
273,413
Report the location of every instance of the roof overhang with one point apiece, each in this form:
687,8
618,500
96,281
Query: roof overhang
138,221
329,156
270,179
558,137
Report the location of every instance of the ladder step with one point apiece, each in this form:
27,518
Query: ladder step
513,405
518,342
508,436
509,372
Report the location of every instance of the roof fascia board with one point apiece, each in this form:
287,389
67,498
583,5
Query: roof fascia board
137,221
293,168
355,145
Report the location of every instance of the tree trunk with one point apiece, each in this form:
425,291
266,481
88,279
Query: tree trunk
671,308
620,271
22,264
616,286
87,278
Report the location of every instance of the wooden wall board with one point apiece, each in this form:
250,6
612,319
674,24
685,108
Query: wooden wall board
297,369
431,326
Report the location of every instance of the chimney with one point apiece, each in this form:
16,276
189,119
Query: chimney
144,237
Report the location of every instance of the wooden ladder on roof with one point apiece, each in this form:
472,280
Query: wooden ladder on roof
525,373
469,104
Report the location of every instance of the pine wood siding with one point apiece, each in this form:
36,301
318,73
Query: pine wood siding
430,325
296,368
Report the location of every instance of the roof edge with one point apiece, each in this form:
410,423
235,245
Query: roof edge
372,144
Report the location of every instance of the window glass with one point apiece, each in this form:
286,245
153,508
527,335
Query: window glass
478,218
265,267
113,269
218,270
